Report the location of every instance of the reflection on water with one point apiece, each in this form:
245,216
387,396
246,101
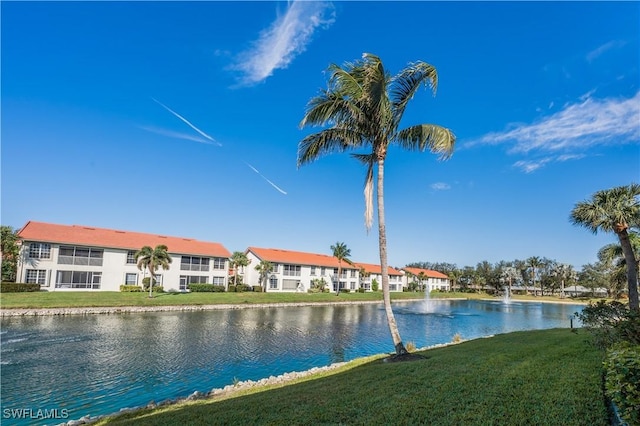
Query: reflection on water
99,364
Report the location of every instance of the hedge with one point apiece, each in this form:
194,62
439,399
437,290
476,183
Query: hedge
130,288
204,288
622,380
18,287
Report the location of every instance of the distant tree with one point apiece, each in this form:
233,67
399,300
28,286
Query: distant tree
238,259
534,262
10,253
615,210
263,268
342,253
454,275
151,259
564,273
508,275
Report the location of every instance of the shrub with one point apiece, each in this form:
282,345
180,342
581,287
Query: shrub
203,288
361,290
345,290
232,288
622,380
18,287
130,288
374,285
611,323
257,288
410,346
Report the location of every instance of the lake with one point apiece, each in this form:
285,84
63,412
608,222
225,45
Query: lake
99,364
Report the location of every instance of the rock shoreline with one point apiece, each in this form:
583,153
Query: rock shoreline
18,312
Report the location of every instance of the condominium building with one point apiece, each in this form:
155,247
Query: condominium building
427,279
296,271
73,257
371,274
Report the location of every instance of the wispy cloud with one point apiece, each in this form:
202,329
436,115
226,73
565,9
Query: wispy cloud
577,126
187,122
177,135
263,177
530,166
440,186
594,54
287,37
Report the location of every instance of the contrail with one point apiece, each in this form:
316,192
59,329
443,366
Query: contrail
172,134
262,176
186,121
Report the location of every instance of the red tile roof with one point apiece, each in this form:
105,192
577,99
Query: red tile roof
109,238
377,269
428,272
297,257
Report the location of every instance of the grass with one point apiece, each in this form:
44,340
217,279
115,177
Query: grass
73,299
550,377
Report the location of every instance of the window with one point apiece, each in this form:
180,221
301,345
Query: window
291,270
323,271
273,282
193,263
185,280
78,279
274,268
353,273
40,251
131,257
131,279
290,284
335,271
218,263
313,270
80,256
353,285
36,276
218,280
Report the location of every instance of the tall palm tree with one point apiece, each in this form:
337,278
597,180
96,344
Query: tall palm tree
615,210
237,259
342,253
263,268
363,106
509,273
422,277
151,259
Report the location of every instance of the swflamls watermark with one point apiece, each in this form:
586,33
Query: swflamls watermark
35,413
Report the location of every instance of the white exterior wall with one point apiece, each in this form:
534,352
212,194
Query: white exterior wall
113,269
396,282
303,281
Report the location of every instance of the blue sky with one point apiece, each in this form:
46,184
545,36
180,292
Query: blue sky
182,119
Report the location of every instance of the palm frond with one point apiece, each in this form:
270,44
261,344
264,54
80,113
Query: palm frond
405,84
437,139
327,141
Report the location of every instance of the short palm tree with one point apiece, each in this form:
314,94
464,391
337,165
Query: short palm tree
615,210
236,260
152,258
263,268
342,253
362,107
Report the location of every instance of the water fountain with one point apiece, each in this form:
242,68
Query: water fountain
506,297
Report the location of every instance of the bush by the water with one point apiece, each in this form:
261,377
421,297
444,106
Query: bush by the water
611,323
18,287
206,288
130,288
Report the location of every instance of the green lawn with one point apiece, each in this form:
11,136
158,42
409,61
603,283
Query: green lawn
72,299
549,377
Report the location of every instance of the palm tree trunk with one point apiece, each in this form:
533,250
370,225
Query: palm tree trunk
151,268
382,240
338,282
632,269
